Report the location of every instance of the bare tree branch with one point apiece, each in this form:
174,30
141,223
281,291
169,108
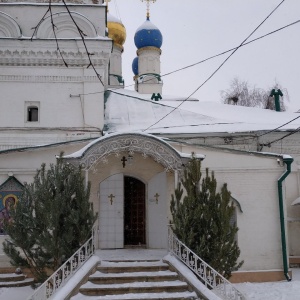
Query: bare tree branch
241,93
39,23
80,31
54,28
82,35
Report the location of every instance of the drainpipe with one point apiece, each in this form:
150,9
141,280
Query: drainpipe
276,94
288,161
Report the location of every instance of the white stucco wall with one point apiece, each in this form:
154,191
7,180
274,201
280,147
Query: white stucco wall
33,73
292,192
252,180
27,15
51,96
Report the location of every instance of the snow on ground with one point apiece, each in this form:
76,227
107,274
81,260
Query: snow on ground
20,293
271,291
282,290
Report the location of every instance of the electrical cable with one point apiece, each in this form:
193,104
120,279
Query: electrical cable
265,133
285,136
224,52
209,58
117,9
222,64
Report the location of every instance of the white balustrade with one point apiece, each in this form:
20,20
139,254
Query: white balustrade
208,276
65,272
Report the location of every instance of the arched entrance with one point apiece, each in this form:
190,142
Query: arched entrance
122,212
134,212
147,213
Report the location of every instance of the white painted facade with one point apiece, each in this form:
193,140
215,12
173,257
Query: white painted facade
70,106
148,81
68,101
253,182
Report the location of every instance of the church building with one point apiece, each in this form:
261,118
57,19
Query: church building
62,90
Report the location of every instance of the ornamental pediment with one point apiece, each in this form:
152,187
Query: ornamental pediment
115,144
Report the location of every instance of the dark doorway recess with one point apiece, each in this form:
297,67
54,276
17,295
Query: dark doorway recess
134,212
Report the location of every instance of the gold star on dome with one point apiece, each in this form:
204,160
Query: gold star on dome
148,7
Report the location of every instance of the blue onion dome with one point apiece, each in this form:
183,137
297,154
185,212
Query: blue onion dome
135,66
148,35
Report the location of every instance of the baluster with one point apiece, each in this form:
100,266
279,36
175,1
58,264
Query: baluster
205,273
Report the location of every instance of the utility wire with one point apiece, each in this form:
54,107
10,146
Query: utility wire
211,57
237,139
117,9
222,64
285,136
222,53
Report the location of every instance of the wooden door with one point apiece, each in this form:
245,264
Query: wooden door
134,212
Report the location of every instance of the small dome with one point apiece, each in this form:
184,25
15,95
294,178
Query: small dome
135,66
116,30
148,35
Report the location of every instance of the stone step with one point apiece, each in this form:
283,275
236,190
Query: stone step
11,277
132,266
112,278
139,296
92,289
10,284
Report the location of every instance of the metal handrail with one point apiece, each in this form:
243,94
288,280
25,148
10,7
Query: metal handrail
209,276
65,272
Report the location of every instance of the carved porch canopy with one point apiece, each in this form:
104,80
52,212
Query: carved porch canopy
116,144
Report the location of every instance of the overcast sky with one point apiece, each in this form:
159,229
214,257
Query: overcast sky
197,29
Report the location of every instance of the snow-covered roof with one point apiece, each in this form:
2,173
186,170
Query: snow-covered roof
129,111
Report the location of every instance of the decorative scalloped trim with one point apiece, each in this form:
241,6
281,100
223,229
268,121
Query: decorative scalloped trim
48,58
146,145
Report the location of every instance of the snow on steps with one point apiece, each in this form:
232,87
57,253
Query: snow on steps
14,280
152,296
134,280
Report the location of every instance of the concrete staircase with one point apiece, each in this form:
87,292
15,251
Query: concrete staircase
116,280
14,280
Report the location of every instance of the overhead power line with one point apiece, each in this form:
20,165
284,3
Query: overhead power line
285,136
222,64
224,52
237,139
211,57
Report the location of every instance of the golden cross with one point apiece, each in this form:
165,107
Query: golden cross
111,196
148,7
156,196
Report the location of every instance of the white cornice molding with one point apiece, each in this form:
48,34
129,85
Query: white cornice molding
47,58
15,52
48,79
